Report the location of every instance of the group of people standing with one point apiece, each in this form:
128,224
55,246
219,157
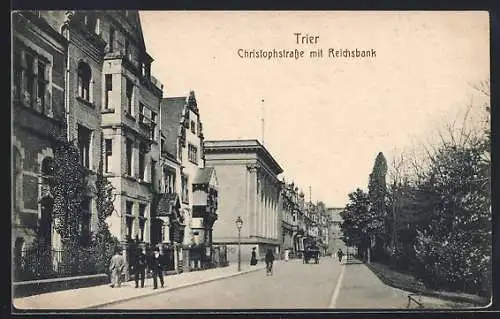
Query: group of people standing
138,267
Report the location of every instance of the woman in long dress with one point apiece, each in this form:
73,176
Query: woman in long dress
253,259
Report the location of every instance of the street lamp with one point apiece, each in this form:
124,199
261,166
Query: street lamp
239,224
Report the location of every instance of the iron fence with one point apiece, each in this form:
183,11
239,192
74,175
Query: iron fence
33,264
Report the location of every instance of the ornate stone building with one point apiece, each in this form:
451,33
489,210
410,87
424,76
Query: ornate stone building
187,208
249,188
38,114
89,70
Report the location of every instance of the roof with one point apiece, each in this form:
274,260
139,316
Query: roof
240,146
171,114
203,175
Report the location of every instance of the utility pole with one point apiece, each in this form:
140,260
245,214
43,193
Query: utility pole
310,194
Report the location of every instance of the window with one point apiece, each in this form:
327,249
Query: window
17,180
169,181
142,166
153,125
193,154
162,145
141,113
84,75
108,153
84,136
193,127
185,190
42,83
129,93
142,220
128,151
111,43
108,83
47,170
153,172
85,222
129,218
18,75
98,26
30,76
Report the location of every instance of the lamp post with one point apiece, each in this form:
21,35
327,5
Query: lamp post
239,224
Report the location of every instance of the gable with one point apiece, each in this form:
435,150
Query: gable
213,179
135,21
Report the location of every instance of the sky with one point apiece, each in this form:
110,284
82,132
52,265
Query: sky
325,119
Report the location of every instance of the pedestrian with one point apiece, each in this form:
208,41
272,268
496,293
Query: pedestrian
116,266
287,254
269,262
139,267
156,268
253,259
340,254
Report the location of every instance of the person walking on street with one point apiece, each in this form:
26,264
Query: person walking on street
157,268
139,268
253,259
269,262
340,254
116,266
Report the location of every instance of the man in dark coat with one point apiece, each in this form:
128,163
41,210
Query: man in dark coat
139,268
269,262
156,268
340,254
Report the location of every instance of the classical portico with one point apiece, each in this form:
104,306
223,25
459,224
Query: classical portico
248,187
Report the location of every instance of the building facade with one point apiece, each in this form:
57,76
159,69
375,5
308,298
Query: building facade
335,243
38,117
248,187
188,188
96,75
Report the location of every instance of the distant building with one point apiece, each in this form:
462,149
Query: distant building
249,187
335,241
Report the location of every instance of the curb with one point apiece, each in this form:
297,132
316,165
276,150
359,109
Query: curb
94,306
428,293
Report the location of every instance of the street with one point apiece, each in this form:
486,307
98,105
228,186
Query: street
294,285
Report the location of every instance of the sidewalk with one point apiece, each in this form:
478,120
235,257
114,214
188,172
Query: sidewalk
96,296
361,288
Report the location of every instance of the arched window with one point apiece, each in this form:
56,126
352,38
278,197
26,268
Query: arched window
84,76
47,169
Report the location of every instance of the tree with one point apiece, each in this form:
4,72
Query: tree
68,189
104,243
454,246
377,192
356,218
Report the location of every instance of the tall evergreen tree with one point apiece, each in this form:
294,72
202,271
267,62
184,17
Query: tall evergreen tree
377,192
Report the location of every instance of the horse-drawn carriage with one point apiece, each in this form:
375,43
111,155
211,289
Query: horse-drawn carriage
311,253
